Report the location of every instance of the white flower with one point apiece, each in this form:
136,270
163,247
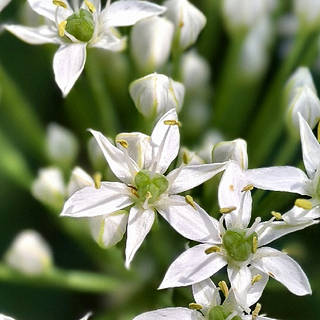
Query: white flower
155,94
140,162
238,246
75,29
207,306
29,253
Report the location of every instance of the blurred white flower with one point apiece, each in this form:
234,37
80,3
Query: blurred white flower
29,253
3,3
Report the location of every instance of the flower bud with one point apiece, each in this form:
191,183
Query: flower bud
155,94
188,21
62,145
231,150
301,97
29,253
79,179
151,40
49,187
108,230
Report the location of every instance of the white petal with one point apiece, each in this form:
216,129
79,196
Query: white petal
168,313
91,202
122,166
193,175
285,178
40,35
206,294
310,148
240,279
3,3
193,266
165,142
194,224
139,224
127,13
68,63
284,269
256,290
278,229
300,216
45,8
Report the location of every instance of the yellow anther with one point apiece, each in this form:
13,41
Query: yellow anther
227,209
172,123
224,288
59,3
123,143
185,158
249,187
277,215
62,28
90,6
97,180
254,245
256,278
303,203
195,306
212,250
189,200
148,195
256,311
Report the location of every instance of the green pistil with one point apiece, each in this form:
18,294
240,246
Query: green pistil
238,246
150,185
81,25
220,313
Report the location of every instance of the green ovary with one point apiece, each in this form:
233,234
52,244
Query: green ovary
237,245
150,185
220,313
81,25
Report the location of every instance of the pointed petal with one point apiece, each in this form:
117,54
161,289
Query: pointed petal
40,35
165,141
139,224
278,229
284,269
300,216
68,63
192,176
168,313
240,279
285,178
193,266
206,294
310,148
44,8
192,223
127,13
122,166
91,202
256,289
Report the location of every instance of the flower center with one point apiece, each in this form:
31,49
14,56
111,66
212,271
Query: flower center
81,25
239,246
220,313
150,185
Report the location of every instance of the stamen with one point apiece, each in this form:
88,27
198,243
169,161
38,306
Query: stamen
277,215
189,200
97,180
224,288
185,159
212,249
256,311
303,203
195,306
226,210
123,143
62,28
172,123
249,187
133,190
256,278
254,245
253,227
59,3
90,6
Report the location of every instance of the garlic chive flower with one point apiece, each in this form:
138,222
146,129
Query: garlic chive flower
231,242
140,163
75,27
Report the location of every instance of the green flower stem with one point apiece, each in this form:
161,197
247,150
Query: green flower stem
269,122
19,115
103,104
80,281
